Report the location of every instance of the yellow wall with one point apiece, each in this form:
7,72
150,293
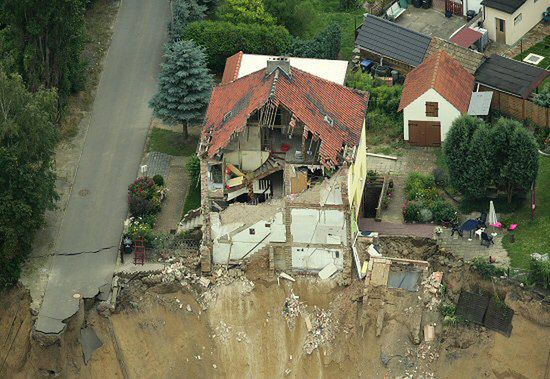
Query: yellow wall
357,174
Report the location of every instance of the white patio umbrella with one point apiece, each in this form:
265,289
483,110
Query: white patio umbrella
492,216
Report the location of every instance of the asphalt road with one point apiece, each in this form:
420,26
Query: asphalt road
110,160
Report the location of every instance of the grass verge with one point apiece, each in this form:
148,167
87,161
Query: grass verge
169,142
193,199
532,236
99,20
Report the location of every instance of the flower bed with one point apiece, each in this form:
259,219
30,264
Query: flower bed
424,201
145,196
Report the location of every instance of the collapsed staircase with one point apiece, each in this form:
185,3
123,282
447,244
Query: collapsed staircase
191,220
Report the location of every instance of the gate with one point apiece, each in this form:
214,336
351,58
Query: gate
454,6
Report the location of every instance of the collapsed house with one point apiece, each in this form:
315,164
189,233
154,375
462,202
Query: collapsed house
283,162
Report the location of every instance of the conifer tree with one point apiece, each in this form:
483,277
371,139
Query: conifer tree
185,84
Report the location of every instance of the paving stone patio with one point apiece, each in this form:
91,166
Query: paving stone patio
157,164
470,248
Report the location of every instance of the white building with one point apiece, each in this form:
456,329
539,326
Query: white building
508,20
435,93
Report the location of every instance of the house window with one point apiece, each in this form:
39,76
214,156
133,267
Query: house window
517,19
432,109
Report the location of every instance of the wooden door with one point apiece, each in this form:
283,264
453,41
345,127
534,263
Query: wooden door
425,133
500,30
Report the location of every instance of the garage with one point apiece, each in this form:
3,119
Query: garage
425,133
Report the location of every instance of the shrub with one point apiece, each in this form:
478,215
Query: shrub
159,180
443,211
440,177
10,270
421,187
142,187
139,206
222,39
139,229
487,270
411,211
539,272
425,215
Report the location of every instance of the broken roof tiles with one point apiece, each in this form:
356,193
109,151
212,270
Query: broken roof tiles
309,98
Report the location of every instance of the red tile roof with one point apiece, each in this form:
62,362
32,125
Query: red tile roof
308,97
232,65
445,75
465,37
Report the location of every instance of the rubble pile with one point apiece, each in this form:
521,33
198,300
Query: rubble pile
223,331
432,287
323,330
293,307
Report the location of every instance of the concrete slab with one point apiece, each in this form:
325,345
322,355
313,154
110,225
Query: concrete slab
90,342
92,223
430,22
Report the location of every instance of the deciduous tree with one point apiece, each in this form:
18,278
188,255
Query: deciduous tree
222,39
47,37
185,84
245,12
326,45
27,182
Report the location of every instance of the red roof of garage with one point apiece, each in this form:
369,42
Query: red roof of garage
332,112
466,37
444,74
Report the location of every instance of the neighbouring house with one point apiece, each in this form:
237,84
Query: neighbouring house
513,84
508,20
457,7
241,64
283,165
390,44
434,94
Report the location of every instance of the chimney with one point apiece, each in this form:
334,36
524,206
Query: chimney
280,62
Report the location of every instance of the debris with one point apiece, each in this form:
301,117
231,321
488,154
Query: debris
429,333
205,282
371,250
214,366
308,323
328,271
189,309
380,321
292,308
284,275
324,330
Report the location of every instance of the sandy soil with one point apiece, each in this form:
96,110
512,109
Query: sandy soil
244,334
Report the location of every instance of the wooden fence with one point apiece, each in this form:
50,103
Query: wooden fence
519,108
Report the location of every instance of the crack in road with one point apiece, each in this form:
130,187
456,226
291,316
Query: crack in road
76,253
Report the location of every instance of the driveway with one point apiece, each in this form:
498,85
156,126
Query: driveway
87,244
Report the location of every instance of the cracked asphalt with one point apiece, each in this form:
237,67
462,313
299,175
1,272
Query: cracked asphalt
109,162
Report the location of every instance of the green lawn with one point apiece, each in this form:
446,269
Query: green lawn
541,48
327,12
193,199
169,142
532,237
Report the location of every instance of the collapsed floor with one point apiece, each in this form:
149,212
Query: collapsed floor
258,326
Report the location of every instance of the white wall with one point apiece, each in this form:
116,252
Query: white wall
232,245
472,5
531,14
416,111
317,226
315,259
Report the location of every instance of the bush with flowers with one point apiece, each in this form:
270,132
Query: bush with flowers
144,197
142,227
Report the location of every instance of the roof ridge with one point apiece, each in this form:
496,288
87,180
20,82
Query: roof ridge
238,65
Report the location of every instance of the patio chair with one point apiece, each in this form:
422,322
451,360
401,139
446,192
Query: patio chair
455,227
486,239
482,220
